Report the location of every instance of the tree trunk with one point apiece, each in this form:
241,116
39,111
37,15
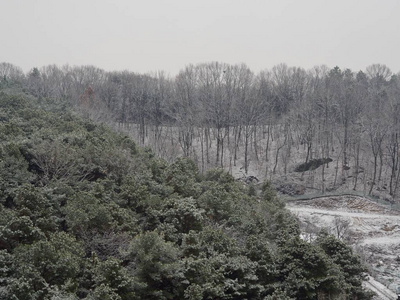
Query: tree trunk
374,176
357,166
255,143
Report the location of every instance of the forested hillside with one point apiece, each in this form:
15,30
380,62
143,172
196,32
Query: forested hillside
282,121
87,214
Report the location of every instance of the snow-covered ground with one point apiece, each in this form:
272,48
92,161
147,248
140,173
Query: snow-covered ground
372,230
381,291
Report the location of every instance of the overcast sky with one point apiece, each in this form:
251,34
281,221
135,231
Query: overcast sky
151,35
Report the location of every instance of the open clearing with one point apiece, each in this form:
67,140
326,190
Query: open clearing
372,230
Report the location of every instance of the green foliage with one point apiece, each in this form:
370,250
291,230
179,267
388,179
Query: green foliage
219,176
134,194
285,226
183,177
112,281
221,277
57,259
13,171
53,262
278,295
268,194
349,264
156,266
29,201
261,251
17,230
6,271
104,292
12,103
85,212
306,271
216,269
217,202
179,216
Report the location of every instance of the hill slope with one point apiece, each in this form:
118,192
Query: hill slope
86,214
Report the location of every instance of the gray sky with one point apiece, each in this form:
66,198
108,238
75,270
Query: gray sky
151,35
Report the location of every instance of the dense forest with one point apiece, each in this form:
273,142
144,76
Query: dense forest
223,115
85,213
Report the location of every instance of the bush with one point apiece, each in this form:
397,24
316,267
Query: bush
312,164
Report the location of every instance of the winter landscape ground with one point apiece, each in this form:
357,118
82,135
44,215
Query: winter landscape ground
372,229
370,223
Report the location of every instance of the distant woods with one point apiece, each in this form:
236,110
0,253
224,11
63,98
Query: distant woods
226,115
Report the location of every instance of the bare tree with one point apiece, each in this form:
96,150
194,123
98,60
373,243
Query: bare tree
161,91
265,94
216,99
10,73
379,70
341,227
248,108
393,144
184,108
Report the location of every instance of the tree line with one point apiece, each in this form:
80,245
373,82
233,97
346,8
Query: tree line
223,115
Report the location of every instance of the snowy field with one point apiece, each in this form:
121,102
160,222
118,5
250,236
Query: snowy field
371,229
